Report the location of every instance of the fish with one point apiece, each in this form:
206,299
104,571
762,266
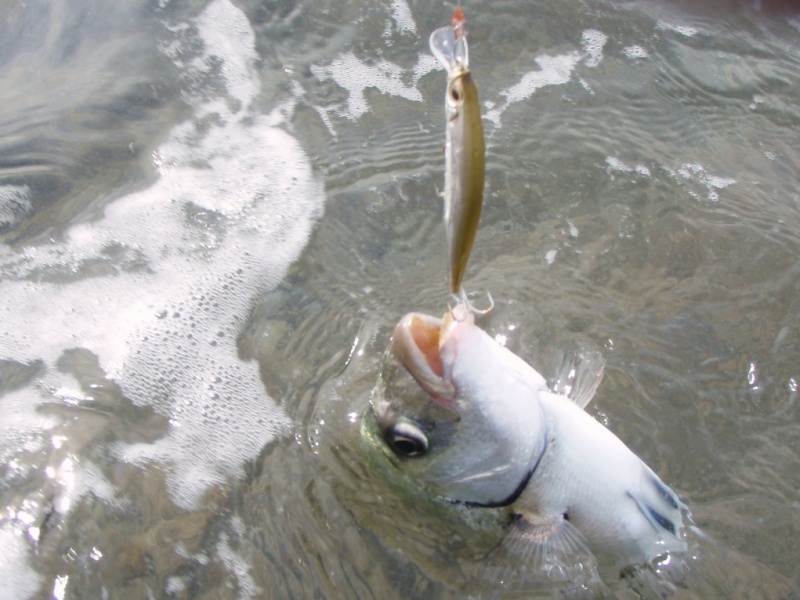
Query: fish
475,425
465,148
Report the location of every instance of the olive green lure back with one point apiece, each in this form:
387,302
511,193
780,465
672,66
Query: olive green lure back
465,149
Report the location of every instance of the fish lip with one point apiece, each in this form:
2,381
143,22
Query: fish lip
416,344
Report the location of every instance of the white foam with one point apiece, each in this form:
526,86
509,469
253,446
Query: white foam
15,204
76,478
17,579
553,70
240,568
592,42
683,30
227,34
616,165
22,424
60,587
356,76
404,20
635,52
712,183
175,586
573,230
425,64
757,100
163,319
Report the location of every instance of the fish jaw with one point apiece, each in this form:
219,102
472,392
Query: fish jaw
415,344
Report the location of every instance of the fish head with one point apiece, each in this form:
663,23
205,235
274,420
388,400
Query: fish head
456,411
459,86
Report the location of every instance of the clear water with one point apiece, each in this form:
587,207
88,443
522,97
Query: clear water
212,215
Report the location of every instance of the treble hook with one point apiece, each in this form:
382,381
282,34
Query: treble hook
463,298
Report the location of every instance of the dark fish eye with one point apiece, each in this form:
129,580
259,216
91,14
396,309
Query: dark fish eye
455,94
406,439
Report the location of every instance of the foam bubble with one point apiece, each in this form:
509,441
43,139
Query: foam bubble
712,183
592,42
15,204
757,100
240,568
76,479
17,578
425,64
683,30
21,426
401,13
148,287
553,70
227,34
573,230
356,76
615,164
635,52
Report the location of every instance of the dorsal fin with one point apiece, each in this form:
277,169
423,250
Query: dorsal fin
578,372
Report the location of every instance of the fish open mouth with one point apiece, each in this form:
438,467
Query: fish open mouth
416,343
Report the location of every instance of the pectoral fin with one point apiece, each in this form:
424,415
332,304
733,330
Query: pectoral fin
538,552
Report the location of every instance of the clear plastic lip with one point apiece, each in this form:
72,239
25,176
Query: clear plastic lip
448,50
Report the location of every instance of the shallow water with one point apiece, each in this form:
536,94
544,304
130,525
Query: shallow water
213,214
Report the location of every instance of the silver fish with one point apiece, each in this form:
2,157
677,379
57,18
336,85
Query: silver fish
478,426
465,150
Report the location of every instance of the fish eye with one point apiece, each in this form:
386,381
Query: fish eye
455,94
406,439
